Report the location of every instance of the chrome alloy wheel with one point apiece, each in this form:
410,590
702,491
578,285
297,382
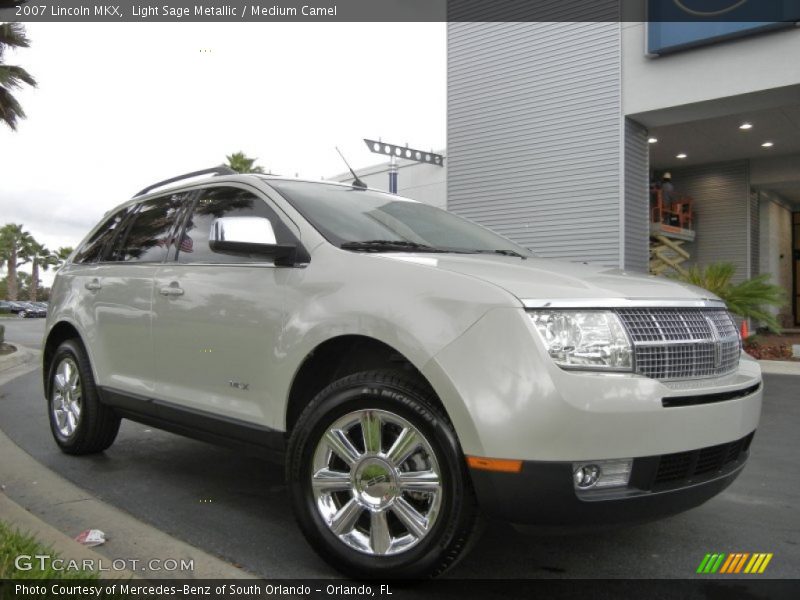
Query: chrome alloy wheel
376,482
66,397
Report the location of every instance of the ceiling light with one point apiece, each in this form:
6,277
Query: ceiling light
652,140
681,156
767,145
746,126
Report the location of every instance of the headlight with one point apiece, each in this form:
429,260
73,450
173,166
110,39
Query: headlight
584,339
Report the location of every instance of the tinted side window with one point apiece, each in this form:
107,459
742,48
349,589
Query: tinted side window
217,202
149,234
92,249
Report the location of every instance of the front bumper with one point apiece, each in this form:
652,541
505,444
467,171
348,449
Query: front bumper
507,399
543,494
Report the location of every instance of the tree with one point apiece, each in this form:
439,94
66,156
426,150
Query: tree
747,299
12,35
62,254
15,250
41,258
240,163
23,285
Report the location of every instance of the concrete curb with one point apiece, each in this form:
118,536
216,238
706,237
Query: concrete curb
22,356
38,501
67,548
780,367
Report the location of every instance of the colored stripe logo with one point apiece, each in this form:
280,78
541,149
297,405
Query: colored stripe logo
737,562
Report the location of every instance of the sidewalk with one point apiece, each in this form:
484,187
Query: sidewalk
780,367
40,502
22,356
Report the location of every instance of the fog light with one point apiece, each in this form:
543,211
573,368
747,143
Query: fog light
586,476
601,474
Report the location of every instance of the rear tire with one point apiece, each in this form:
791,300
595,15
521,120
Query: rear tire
377,479
79,422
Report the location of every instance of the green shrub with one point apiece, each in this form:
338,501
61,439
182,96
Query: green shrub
748,299
14,543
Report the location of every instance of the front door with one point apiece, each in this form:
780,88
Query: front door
218,317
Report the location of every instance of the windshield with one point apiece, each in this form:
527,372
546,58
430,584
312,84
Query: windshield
345,215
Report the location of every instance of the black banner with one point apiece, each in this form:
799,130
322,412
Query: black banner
767,11
256,589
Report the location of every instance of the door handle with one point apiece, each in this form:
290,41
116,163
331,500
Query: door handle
92,285
171,290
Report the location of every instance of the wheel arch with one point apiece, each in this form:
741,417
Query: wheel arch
338,357
59,333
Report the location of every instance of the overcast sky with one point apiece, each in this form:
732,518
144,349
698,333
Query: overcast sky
120,106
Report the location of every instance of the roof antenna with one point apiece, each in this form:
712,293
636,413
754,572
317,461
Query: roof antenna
357,183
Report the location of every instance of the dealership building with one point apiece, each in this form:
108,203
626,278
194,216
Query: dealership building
559,135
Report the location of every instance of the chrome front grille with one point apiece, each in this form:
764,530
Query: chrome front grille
682,343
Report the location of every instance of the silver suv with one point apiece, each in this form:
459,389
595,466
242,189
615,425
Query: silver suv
414,369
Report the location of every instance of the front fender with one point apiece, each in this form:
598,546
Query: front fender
414,309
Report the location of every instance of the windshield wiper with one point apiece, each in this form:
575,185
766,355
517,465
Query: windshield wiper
389,246
503,252
511,253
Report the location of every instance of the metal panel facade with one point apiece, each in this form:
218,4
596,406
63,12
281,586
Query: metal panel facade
535,134
754,239
636,232
721,194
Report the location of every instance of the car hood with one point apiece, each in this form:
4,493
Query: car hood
547,279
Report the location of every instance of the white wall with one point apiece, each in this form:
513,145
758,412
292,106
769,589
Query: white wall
776,247
775,170
740,66
418,181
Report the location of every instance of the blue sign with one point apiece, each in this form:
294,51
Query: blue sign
680,24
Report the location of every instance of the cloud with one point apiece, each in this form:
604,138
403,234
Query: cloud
121,106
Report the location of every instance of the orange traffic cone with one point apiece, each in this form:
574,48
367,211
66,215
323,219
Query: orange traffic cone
745,331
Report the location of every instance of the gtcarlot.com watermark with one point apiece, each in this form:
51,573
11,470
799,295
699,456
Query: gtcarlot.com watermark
29,562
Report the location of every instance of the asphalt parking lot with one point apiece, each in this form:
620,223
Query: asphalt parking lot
27,332
237,508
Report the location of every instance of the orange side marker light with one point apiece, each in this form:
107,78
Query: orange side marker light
501,465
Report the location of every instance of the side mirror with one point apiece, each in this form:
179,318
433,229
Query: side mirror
251,236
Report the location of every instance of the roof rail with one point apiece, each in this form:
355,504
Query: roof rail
219,170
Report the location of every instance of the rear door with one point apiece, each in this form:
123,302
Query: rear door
82,282
218,317
118,291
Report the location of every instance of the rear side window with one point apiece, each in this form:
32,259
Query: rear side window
93,249
148,235
214,203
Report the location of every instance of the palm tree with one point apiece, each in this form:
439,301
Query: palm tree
12,35
15,246
62,254
749,299
41,258
240,163
24,282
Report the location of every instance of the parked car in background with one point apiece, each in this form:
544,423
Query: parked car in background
5,307
14,306
30,310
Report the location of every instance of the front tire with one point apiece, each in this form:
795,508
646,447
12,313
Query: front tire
79,422
22,314
377,479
